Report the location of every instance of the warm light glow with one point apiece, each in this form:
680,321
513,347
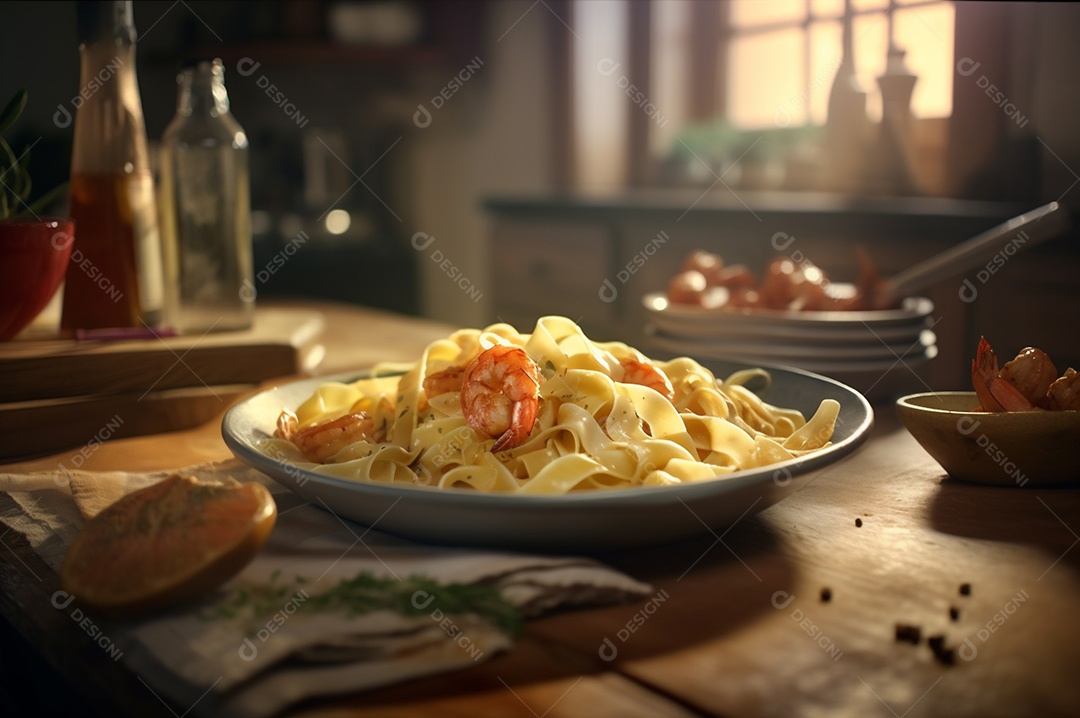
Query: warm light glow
927,34
768,77
338,221
764,79
670,37
756,13
871,36
600,84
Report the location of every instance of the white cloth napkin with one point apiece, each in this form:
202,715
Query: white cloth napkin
253,657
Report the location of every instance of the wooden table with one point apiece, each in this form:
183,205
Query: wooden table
739,623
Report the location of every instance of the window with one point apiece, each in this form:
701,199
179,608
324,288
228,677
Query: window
647,75
805,37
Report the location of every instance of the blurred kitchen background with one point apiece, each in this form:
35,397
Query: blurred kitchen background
472,161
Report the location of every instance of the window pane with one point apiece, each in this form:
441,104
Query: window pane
670,35
753,13
858,5
870,34
927,34
827,8
600,128
766,77
825,55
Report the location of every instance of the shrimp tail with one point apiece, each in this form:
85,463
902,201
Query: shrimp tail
994,392
522,418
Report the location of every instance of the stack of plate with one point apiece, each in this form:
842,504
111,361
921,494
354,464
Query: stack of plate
877,352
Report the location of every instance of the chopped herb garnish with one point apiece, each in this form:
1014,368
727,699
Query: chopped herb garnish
364,593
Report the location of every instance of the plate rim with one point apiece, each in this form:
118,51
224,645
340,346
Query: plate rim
876,365
906,403
923,307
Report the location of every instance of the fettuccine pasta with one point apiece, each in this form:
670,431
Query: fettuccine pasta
603,416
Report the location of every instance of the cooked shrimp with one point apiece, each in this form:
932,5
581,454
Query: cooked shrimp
707,263
687,287
444,381
500,395
735,277
321,441
995,393
636,372
794,287
868,286
1064,392
1032,373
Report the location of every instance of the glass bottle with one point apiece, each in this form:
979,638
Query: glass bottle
206,207
846,125
115,276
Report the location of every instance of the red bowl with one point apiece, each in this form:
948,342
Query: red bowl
34,255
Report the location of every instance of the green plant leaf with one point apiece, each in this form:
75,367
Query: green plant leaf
13,110
8,162
23,183
42,203
15,171
9,169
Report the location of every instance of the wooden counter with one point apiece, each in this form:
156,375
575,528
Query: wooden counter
739,624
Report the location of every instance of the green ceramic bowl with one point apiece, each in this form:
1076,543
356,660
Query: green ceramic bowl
1002,448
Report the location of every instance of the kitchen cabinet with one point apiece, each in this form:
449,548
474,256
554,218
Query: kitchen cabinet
594,257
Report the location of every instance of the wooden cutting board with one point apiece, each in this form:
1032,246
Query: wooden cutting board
63,393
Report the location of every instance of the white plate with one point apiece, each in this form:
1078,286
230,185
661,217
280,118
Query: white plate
793,351
578,523
913,310
814,334
826,365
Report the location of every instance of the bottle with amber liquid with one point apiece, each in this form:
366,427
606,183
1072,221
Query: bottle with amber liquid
115,276
205,208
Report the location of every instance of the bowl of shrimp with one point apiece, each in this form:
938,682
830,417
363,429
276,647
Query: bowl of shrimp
1020,426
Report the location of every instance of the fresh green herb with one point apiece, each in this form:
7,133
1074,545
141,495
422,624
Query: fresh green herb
365,593
14,172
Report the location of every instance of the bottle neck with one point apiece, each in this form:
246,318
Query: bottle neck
105,22
202,91
848,49
109,132
106,47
